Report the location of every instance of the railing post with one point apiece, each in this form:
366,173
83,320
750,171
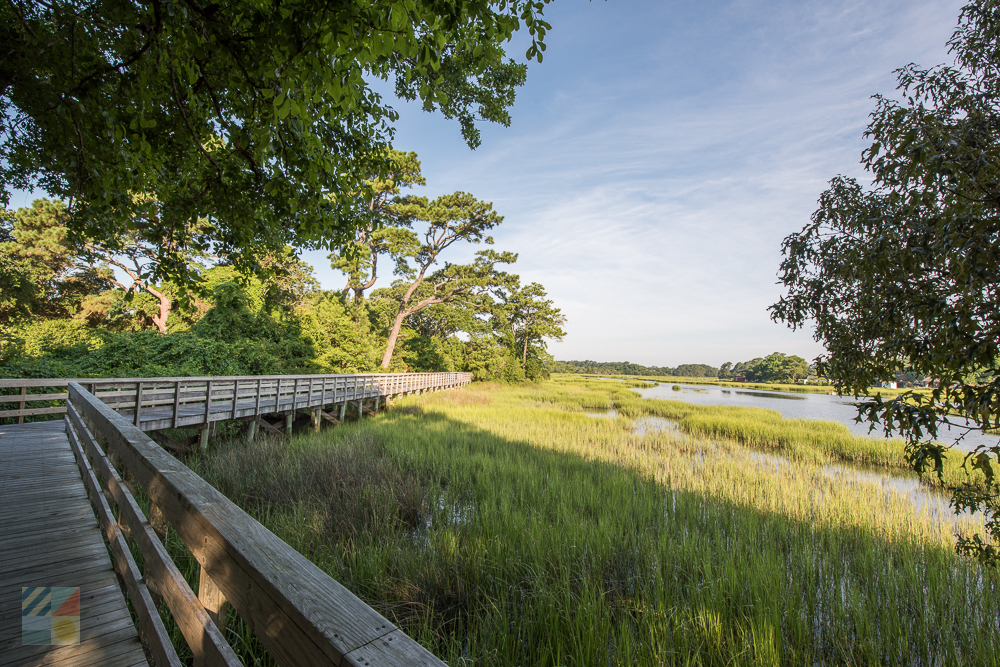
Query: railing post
236,395
177,404
138,401
208,401
157,519
212,599
24,392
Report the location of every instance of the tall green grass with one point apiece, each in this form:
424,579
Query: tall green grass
503,526
758,428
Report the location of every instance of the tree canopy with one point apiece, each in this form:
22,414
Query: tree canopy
906,274
259,118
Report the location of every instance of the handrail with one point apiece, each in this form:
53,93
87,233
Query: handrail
175,399
300,614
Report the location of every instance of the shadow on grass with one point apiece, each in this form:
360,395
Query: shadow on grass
492,550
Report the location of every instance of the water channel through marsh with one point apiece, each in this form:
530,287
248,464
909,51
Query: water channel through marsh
907,484
840,409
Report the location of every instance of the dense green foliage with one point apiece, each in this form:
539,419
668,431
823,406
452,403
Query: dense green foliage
628,368
775,367
260,118
906,274
64,313
505,526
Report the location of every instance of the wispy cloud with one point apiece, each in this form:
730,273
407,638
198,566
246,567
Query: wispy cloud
662,151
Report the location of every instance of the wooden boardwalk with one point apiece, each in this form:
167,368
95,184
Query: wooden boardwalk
182,402
49,536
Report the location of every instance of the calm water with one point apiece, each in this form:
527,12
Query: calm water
798,406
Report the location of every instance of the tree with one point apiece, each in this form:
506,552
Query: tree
380,232
778,367
258,117
532,318
907,274
45,275
449,219
44,229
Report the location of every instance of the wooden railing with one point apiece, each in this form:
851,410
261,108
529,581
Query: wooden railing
299,613
177,402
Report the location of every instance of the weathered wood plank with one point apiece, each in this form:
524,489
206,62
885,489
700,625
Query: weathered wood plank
28,412
53,539
175,400
157,639
203,637
30,398
270,584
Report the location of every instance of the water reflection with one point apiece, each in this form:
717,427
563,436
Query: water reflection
803,406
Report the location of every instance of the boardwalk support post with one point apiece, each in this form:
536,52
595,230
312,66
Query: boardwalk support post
203,440
343,411
158,521
252,430
289,418
315,420
212,598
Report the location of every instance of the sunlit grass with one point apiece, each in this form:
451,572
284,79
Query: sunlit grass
503,526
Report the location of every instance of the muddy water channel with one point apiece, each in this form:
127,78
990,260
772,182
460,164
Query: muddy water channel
798,406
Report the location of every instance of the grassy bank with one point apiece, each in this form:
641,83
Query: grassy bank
503,526
758,428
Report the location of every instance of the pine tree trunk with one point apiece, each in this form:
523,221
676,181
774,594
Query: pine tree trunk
393,335
161,320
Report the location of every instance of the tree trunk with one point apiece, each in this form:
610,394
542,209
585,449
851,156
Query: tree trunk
393,335
524,355
165,305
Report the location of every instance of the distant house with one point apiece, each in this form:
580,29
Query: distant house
888,385
740,378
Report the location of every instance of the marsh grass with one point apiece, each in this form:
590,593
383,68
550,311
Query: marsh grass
818,441
503,526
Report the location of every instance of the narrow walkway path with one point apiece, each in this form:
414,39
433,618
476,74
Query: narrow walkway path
50,537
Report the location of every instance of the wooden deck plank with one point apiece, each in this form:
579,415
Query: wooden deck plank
79,525
71,575
52,538
54,516
100,601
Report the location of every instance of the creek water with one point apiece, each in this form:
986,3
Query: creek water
803,406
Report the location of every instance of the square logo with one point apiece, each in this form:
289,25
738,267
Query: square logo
50,615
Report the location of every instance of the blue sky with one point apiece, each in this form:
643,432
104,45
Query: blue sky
662,151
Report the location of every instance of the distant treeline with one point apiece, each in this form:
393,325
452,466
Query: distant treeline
775,367
628,368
